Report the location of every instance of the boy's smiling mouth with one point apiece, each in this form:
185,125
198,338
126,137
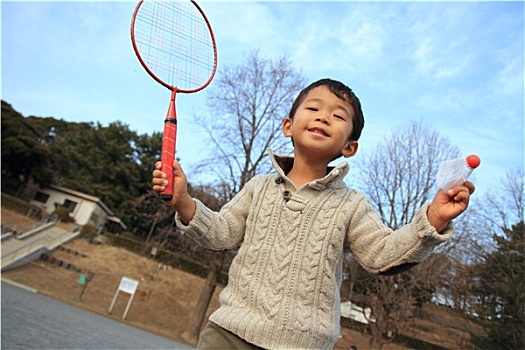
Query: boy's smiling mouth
318,131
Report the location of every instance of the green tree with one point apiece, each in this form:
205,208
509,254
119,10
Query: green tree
110,162
97,160
25,159
101,161
498,285
147,151
497,277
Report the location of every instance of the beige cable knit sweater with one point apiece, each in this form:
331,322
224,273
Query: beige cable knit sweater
283,288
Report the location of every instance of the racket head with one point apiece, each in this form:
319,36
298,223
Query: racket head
174,42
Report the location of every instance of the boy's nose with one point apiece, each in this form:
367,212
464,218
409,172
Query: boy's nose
321,118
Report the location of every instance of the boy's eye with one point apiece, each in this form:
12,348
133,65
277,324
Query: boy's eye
312,109
339,117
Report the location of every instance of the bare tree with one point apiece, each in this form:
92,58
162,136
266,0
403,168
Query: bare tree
247,107
215,263
214,199
157,220
399,177
400,172
504,205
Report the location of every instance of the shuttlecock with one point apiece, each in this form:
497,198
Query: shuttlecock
455,172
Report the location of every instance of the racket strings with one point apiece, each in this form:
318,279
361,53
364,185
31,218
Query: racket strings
175,43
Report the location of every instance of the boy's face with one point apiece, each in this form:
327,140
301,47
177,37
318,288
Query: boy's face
322,125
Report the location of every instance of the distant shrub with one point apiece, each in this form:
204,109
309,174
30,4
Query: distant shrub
63,214
88,230
21,206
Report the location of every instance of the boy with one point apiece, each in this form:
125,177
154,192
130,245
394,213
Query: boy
283,288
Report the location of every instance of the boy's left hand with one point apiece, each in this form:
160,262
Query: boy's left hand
447,206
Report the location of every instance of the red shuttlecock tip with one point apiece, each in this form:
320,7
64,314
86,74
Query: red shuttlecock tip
473,161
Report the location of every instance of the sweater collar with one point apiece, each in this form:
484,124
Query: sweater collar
334,178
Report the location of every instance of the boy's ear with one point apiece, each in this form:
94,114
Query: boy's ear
350,149
287,127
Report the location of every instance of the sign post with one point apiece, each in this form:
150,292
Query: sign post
83,280
129,286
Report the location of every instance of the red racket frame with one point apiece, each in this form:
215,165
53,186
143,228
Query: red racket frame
169,138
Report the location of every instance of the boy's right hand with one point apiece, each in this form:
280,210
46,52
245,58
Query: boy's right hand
160,181
181,200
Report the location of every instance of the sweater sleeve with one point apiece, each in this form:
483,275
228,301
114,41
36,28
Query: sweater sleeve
382,250
222,230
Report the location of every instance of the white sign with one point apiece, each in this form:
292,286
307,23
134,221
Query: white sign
127,285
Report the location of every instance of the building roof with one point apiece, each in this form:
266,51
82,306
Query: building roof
117,221
111,215
83,196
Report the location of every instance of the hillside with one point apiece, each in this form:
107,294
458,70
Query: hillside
166,296
164,300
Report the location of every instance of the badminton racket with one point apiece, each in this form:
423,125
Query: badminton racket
174,42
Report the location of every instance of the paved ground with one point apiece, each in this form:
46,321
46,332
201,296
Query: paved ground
34,321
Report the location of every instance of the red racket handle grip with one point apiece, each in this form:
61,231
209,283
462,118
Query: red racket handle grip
169,139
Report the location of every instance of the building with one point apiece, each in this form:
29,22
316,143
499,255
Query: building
83,208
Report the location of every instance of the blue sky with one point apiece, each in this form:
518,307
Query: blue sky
459,66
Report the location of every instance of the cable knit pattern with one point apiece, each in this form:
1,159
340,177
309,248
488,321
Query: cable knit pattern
283,288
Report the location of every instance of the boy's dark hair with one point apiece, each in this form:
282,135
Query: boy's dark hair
342,91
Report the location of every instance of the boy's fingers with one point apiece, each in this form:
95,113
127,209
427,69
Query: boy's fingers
467,187
159,181
462,196
461,193
470,186
158,188
159,174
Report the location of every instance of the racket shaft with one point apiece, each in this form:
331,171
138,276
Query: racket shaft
169,140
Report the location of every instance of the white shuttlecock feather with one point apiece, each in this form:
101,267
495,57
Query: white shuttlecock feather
455,172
